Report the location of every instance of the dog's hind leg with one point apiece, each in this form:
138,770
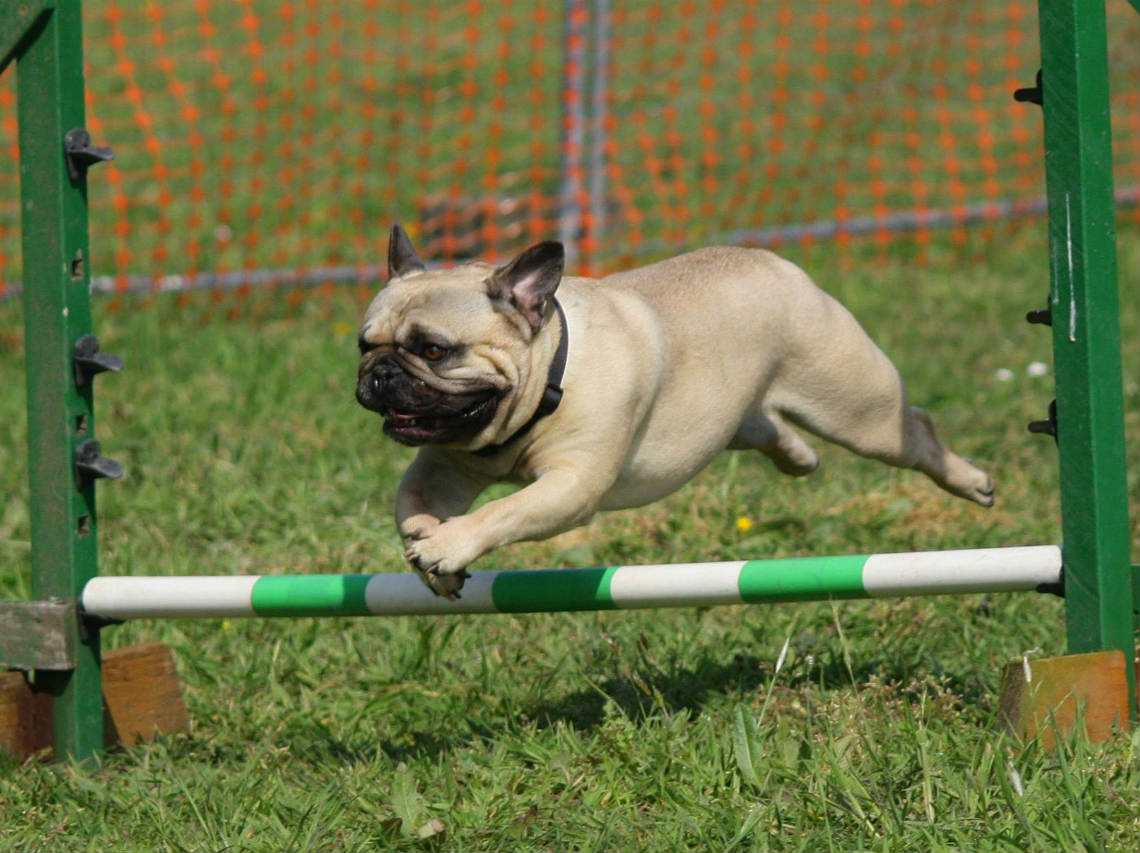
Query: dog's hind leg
849,392
947,469
769,434
873,418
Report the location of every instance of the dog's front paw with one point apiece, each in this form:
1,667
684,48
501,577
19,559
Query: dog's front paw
440,556
447,586
417,527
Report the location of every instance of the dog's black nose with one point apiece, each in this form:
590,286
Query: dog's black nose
379,383
369,390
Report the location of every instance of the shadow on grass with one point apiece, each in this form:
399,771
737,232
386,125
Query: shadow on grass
641,694
646,693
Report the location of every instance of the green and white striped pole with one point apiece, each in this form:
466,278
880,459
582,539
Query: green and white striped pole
553,590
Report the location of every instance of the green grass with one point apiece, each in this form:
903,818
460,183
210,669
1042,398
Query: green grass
246,453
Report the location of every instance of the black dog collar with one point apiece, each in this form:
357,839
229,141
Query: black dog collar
551,397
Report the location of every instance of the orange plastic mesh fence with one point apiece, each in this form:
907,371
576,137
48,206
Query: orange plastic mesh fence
274,142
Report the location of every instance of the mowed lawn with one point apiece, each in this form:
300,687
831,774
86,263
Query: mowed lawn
660,730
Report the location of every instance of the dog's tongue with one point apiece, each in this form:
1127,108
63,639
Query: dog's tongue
404,420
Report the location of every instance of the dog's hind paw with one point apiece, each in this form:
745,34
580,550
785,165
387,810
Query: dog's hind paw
975,485
984,494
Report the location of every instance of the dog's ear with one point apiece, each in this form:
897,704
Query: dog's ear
528,282
402,257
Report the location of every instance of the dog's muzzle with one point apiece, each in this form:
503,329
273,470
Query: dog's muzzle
414,412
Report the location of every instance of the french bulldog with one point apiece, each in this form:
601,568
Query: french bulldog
604,394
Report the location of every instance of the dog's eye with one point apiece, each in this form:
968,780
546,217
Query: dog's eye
433,352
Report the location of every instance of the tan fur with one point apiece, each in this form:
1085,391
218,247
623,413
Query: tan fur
668,365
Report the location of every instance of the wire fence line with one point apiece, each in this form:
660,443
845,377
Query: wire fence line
262,143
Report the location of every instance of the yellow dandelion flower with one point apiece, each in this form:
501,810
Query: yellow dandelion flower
743,524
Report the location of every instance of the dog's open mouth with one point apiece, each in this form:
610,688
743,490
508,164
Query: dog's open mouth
438,427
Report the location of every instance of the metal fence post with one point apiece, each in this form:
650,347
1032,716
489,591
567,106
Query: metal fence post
57,314
599,125
573,129
1086,332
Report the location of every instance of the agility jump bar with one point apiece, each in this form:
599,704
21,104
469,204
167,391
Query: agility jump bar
555,590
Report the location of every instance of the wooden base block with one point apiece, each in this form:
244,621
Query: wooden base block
141,695
141,699
1045,697
25,717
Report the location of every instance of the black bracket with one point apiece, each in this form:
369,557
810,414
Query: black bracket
1047,426
91,464
89,361
90,625
1042,316
81,154
1031,95
1056,588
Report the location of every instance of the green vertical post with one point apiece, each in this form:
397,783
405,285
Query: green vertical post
57,313
1086,331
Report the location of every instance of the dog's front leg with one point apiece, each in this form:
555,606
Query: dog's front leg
561,498
430,493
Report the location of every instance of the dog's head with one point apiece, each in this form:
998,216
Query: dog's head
454,356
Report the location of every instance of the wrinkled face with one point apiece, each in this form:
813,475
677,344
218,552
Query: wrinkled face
435,357
443,353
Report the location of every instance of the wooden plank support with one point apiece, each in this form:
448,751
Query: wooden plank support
141,695
25,717
38,635
141,699
1047,697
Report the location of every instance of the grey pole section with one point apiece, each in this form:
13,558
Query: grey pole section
573,127
599,97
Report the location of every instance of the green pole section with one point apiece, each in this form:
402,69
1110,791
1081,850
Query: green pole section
537,591
57,313
1086,331
310,595
803,579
